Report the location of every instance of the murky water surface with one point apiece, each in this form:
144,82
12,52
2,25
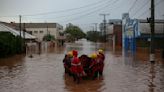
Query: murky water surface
45,72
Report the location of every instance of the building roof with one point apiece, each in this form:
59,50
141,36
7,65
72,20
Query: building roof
40,25
36,25
4,28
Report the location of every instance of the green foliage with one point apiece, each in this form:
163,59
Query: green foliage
9,44
48,37
94,36
74,32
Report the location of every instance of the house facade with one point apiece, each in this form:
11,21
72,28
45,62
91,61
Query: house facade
39,30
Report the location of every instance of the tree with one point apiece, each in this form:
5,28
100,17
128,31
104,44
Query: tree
93,36
74,33
48,37
9,44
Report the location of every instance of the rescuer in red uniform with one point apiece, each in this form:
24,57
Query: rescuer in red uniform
76,68
67,62
100,59
94,66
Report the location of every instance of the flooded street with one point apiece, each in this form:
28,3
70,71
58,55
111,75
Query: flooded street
45,72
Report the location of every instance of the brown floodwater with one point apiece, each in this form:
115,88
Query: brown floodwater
45,73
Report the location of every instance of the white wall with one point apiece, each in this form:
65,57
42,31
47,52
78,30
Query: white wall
145,28
109,29
40,35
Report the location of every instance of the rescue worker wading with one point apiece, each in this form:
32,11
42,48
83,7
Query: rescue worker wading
94,66
76,68
100,59
67,62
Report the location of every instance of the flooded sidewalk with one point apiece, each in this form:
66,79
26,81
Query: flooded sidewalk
45,72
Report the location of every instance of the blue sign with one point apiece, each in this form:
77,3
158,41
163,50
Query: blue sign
130,33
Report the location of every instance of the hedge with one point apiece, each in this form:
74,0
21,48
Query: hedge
9,44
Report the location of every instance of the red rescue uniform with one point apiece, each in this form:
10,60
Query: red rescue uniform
76,67
101,59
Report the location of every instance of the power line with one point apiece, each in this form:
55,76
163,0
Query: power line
92,8
132,6
10,16
116,7
146,11
82,16
95,24
67,10
61,11
78,12
104,15
108,1
143,6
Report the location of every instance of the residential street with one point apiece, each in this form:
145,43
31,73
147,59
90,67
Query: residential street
45,72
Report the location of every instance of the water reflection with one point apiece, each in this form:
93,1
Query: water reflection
84,86
152,76
45,72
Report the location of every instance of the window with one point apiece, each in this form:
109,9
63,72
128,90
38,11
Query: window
30,32
35,32
41,31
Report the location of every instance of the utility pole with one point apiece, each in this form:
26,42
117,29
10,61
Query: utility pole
104,15
96,37
152,47
47,30
95,26
163,26
20,28
24,30
92,28
163,39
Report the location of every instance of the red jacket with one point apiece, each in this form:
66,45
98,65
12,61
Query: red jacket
76,66
101,59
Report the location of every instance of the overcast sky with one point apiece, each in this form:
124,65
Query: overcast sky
79,12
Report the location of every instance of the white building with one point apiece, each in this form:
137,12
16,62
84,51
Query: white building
41,29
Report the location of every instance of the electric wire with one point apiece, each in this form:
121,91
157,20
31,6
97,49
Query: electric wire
143,6
132,6
60,11
68,10
82,16
77,13
146,11
107,4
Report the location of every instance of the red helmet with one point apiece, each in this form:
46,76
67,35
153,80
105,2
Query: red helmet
75,53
